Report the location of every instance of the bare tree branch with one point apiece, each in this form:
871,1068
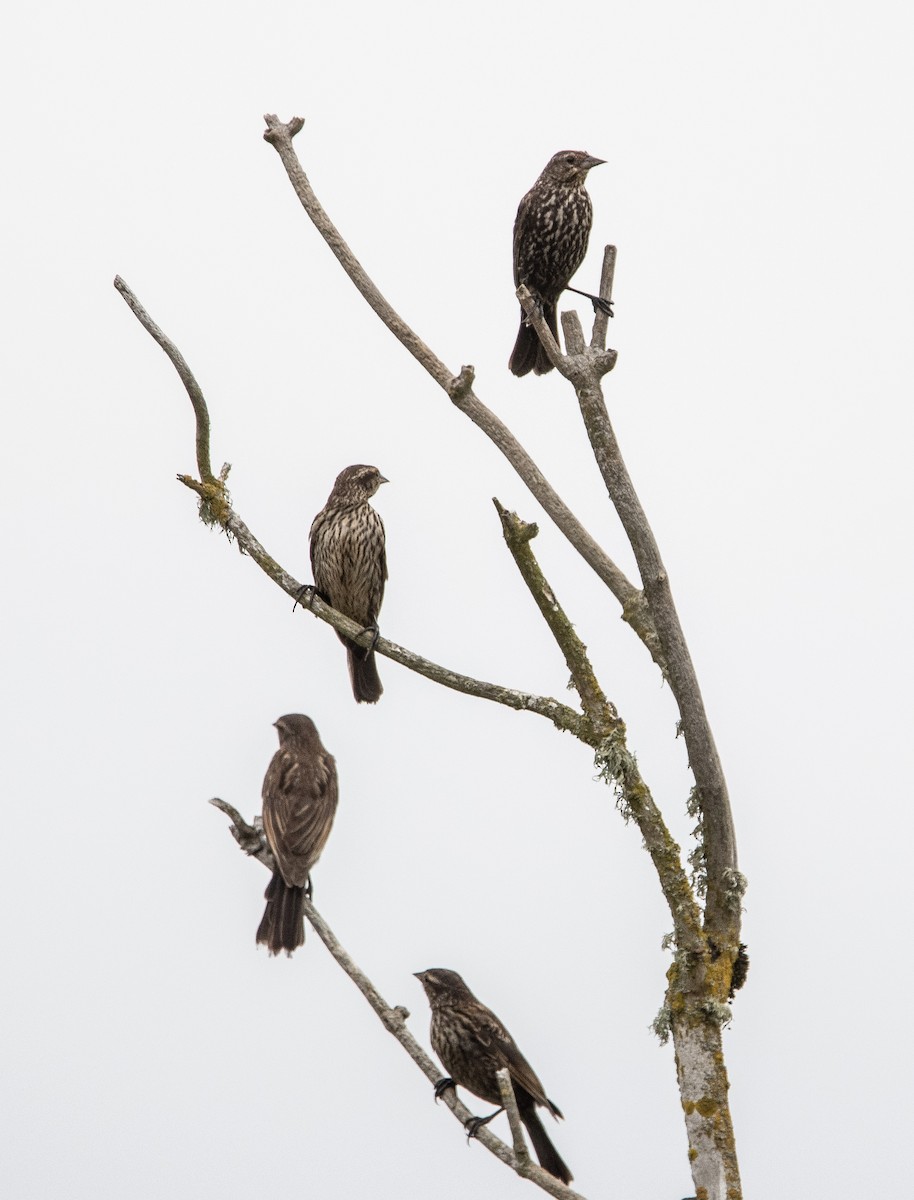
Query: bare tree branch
518,534
215,508
250,839
701,975
722,917
193,388
460,390
616,764
600,728
601,317
585,368
509,1104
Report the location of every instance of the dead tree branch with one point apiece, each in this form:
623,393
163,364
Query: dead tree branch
251,841
216,509
615,762
518,534
701,976
585,368
460,390
509,1104
201,412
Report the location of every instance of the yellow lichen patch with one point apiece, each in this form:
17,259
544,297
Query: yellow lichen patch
718,975
707,1107
693,1154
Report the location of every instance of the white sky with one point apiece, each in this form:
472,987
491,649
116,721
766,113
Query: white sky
758,190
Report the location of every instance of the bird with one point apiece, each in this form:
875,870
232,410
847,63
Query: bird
300,792
349,562
473,1044
550,240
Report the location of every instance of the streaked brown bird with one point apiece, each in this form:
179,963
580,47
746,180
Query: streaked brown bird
299,802
473,1044
551,231
349,562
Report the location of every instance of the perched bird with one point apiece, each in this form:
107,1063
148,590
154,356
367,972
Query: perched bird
550,240
299,802
350,566
473,1044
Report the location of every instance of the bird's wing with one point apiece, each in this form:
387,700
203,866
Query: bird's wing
505,1047
299,802
384,574
382,560
523,227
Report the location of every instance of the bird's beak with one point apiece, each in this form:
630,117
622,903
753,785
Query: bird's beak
593,162
381,479
418,975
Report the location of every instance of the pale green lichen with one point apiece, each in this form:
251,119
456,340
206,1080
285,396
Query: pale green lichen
735,884
720,1014
614,764
662,1024
697,859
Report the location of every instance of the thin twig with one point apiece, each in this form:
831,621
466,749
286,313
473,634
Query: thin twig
509,1104
601,318
201,413
518,534
533,311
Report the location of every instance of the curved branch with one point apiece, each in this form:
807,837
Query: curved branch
250,839
215,508
460,387
193,388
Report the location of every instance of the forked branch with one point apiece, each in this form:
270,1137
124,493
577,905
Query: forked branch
460,390
585,369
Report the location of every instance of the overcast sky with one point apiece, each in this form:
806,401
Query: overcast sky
757,186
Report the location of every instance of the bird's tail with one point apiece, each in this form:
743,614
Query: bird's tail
549,1158
283,924
528,353
366,682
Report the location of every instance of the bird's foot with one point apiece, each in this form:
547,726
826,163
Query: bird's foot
599,304
309,889
474,1124
442,1086
305,596
538,309
375,634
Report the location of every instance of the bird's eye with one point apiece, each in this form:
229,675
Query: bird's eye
570,158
